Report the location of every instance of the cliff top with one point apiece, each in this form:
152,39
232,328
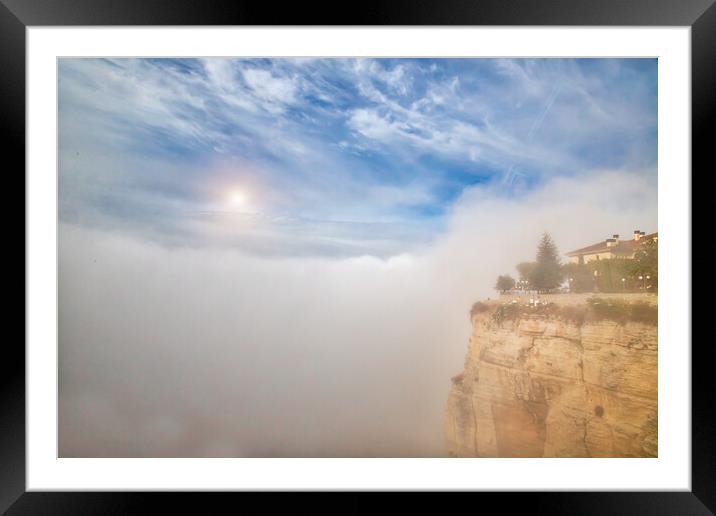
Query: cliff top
575,299
576,308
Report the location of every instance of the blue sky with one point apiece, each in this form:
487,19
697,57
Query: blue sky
334,156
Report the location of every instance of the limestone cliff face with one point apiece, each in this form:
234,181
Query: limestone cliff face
539,386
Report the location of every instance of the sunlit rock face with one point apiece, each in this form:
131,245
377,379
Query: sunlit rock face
542,387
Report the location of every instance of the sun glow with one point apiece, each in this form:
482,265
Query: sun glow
238,199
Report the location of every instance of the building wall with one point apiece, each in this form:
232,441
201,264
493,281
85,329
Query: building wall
597,256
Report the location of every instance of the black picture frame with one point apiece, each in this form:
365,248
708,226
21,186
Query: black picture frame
17,15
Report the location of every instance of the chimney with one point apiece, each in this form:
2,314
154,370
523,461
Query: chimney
611,242
615,237
637,235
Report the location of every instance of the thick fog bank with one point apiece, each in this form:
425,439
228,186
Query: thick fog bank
185,352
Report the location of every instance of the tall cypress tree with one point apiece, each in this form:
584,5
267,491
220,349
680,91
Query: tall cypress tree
547,273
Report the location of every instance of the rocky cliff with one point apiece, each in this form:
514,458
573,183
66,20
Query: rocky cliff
541,385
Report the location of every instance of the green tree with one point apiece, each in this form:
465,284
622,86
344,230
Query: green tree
505,283
581,278
525,269
608,274
547,274
646,263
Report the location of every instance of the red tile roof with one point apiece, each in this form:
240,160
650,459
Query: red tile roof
624,247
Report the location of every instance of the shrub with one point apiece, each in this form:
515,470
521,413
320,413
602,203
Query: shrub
479,308
508,311
458,378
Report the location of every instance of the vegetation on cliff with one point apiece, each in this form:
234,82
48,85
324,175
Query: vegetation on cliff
595,309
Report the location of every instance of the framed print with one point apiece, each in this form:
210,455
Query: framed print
414,250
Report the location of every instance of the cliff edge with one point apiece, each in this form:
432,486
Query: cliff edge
556,381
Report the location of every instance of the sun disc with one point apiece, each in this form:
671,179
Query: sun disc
237,198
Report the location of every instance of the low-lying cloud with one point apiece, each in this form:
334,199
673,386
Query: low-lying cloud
212,352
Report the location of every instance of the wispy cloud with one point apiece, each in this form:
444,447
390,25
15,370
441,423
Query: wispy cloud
382,141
